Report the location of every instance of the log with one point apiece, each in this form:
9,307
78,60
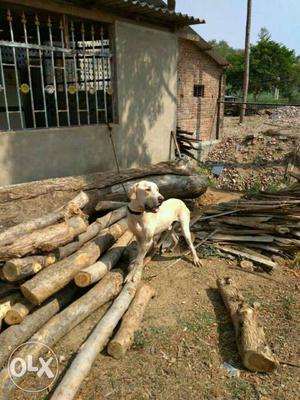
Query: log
181,187
98,180
14,335
20,268
109,205
131,321
6,303
250,337
18,312
62,323
73,207
45,239
92,231
50,280
95,272
95,343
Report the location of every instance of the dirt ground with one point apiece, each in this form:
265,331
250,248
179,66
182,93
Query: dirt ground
187,335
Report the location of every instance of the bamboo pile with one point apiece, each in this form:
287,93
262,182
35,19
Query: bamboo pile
256,228
46,261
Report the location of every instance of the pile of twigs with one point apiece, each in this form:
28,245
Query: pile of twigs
186,144
256,227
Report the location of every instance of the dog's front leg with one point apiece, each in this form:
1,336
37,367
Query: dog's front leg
137,268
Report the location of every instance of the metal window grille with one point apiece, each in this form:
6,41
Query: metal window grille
54,71
198,90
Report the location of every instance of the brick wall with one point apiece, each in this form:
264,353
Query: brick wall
197,114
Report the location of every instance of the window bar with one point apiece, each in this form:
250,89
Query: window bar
37,24
94,73
84,71
61,27
103,75
24,22
9,19
53,70
75,70
4,91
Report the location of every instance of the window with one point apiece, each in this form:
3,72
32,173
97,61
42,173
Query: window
55,71
198,90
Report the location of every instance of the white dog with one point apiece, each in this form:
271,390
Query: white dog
149,215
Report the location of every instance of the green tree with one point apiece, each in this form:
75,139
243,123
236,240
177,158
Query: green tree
271,65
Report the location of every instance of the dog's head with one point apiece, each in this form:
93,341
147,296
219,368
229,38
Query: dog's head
146,195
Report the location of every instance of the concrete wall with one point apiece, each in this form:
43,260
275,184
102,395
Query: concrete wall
146,62
197,114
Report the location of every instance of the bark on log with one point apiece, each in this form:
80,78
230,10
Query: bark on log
92,231
58,326
14,335
20,268
45,239
109,205
253,348
95,343
131,321
7,303
50,280
11,234
181,187
95,272
18,312
98,180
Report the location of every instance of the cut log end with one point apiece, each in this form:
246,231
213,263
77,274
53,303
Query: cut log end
82,279
13,317
30,296
117,350
259,362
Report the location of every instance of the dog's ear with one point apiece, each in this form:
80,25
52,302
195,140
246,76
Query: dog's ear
132,192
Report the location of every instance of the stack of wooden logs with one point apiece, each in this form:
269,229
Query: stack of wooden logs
257,227
60,267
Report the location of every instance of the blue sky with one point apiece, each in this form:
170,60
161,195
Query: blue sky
225,19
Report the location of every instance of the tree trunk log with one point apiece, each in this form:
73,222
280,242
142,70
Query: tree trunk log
7,303
92,231
20,268
98,180
130,322
95,343
52,279
253,348
95,272
180,187
18,312
62,323
45,239
109,205
17,334
11,234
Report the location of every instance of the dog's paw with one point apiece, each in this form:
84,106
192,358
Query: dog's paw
134,275
198,263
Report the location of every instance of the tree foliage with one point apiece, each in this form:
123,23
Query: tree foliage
272,65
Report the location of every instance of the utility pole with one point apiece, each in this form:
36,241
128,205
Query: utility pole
246,62
172,5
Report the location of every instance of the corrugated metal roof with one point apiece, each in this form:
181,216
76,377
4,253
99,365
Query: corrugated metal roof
146,10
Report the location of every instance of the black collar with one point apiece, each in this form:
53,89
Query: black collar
134,212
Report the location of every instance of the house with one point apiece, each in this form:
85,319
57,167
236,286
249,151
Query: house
83,83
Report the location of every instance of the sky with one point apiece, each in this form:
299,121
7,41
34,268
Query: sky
226,19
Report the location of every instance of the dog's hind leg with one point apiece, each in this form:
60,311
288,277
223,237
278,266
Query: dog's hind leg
185,226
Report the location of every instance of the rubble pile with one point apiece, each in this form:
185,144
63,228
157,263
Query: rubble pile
256,161
288,114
